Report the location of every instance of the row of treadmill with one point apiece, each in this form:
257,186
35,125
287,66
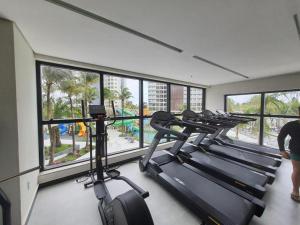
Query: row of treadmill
221,180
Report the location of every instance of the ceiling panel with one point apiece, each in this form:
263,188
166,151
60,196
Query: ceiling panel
254,37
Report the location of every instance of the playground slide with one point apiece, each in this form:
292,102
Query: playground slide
82,130
130,124
125,112
63,129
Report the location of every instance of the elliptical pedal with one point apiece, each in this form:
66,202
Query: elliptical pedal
113,173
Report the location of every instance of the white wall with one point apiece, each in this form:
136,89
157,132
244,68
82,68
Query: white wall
9,165
8,109
215,94
27,120
18,117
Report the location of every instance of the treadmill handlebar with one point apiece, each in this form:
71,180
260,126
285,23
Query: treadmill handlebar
234,117
213,122
227,117
162,121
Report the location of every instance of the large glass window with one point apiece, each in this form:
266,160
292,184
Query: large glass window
248,132
123,135
62,147
65,138
272,127
62,92
196,99
248,104
278,104
178,98
279,108
155,97
282,103
125,94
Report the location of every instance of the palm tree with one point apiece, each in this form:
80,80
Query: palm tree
110,95
89,94
51,76
71,88
124,95
274,105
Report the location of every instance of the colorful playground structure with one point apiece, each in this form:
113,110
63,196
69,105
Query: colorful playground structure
65,128
131,125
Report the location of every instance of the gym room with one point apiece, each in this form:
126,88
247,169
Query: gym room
136,112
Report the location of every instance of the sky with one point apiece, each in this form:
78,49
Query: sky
241,98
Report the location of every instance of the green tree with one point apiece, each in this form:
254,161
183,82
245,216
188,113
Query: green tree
71,88
51,77
230,105
60,109
110,95
124,95
273,105
89,94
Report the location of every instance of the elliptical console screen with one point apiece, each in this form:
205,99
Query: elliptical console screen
97,110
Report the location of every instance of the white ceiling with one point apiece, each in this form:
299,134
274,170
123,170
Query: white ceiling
257,38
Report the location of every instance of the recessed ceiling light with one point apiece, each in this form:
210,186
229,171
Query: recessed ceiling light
112,24
219,66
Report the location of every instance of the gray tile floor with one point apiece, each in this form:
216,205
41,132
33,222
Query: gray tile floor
68,203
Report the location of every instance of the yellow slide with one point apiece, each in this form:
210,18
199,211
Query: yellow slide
82,131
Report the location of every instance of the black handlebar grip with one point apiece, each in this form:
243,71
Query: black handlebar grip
113,108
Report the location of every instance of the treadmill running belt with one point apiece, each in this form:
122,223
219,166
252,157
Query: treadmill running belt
254,146
233,206
243,155
238,172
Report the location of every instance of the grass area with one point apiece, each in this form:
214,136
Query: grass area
57,149
71,156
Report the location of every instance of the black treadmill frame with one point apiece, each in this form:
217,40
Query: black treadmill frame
257,190
203,210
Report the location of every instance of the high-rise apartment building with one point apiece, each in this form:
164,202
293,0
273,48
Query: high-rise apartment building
157,96
115,84
178,98
196,99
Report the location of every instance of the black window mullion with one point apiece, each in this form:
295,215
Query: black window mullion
262,112
168,103
141,113
188,101
101,89
168,97
39,115
225,103
203,98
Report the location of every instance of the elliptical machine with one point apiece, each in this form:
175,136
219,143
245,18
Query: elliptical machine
128,208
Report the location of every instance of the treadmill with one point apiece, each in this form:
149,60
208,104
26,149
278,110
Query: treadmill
251,147
234,174
214,201
211,144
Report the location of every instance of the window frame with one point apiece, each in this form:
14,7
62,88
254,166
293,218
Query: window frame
101,73
262,115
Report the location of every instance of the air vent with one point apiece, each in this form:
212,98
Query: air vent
219,66
297,23
112,23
